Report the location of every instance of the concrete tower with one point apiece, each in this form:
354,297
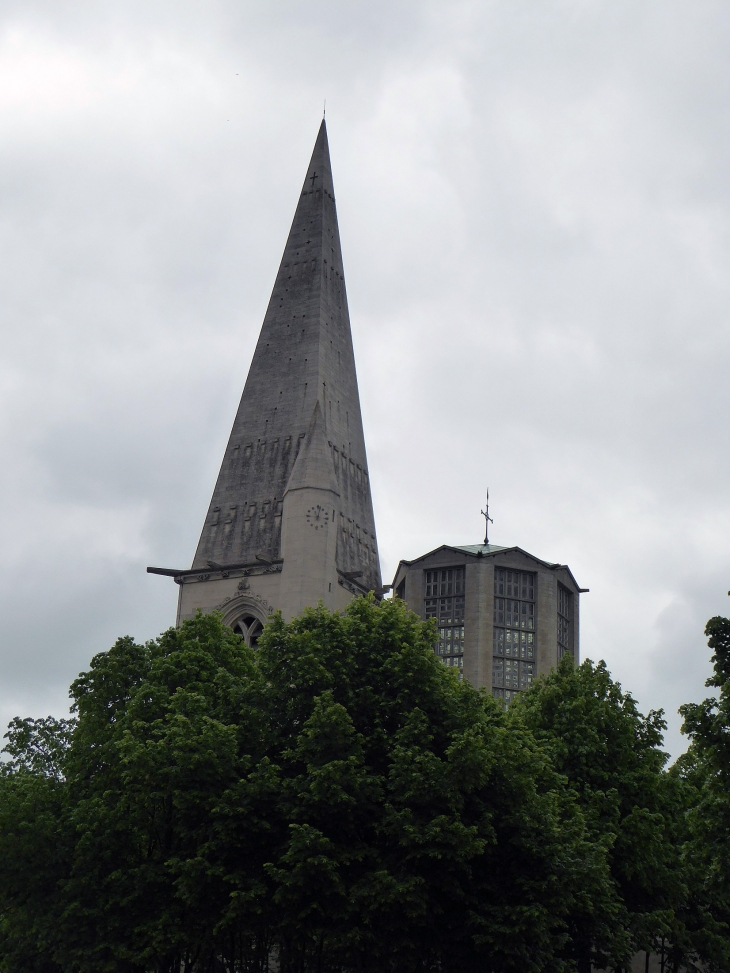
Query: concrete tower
505,617
291,518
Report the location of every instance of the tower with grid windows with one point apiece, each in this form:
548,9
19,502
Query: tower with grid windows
504,616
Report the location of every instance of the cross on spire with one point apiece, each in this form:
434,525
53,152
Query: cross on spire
312,178
487,521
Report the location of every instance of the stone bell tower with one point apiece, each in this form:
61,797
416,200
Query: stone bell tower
291,518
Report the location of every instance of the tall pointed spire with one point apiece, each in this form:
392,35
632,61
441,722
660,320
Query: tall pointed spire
304,357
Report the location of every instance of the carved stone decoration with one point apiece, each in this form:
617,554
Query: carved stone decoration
243,606
246,615
244,585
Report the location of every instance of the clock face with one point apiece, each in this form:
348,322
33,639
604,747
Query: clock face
318,517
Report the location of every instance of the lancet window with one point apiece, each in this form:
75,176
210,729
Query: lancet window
565,622
513,650
445,602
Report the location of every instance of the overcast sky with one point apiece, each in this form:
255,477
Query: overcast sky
533,203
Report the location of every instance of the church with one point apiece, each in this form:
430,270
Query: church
291,522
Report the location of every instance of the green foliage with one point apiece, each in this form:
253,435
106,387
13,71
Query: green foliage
336,798
35,846
707,723
611,757
421,832
705,771
37,746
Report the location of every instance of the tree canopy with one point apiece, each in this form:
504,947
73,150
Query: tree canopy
705,772
612,759
335,800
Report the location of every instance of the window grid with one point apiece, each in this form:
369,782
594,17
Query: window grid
513,650
445,602
565,622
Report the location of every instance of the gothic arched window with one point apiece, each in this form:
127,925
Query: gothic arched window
249,628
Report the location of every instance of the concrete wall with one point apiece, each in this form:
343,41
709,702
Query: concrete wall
479,604
479,612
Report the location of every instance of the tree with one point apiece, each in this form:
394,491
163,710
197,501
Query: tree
169,788
612,759
35,847
424,832
705,768
336,797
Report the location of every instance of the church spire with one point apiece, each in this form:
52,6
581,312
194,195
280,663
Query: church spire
303,369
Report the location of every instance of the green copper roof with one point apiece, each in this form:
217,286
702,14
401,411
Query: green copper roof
478,548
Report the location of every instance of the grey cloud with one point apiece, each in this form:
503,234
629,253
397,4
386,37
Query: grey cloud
534,214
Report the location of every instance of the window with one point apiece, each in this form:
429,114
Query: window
447,581
249,628
565,621
513,651
445,603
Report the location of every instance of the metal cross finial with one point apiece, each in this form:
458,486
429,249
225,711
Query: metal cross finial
487,521
324,109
